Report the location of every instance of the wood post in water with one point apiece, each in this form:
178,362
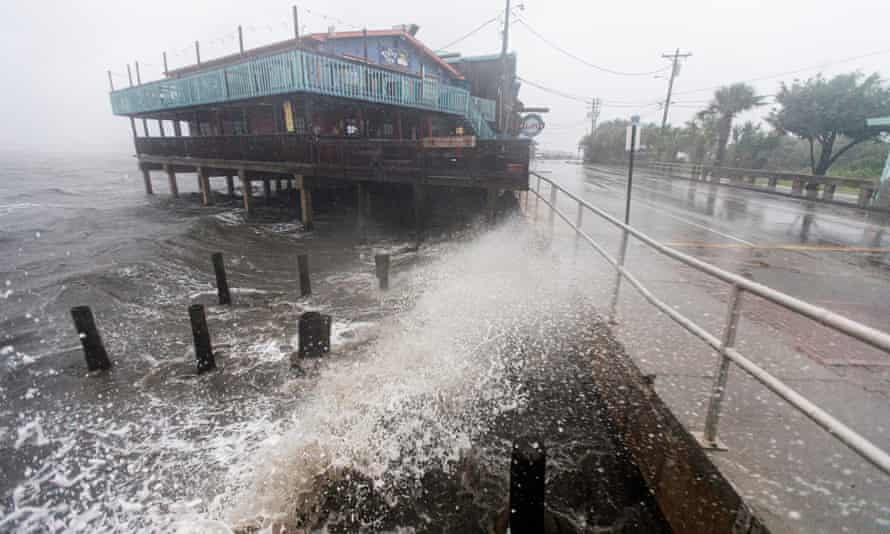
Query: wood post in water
303,266
305,201
381,264
171,176
418,191
146,177
491,198
203,349
222,285
230,186
267,191
527,482
246,192
360,208
93,351
315,334
204,182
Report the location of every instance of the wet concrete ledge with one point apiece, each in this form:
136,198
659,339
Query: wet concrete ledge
691,493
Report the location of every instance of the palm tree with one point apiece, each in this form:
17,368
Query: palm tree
728,102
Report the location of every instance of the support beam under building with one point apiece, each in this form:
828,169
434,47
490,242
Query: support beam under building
206,193
171,176
146,176
491,200
267,191
360,208
230,186
419,195
305,201
246,192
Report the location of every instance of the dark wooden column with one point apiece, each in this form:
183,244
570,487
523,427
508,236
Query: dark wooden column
171,176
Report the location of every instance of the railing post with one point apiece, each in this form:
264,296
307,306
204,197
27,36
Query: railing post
552,216
578,220
718,392
537,198
613,308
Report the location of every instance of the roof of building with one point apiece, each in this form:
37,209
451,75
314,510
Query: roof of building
881,121
395,32
290,44
473,59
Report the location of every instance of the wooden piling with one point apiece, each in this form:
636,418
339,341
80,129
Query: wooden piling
246,192
491,198
171,177
305,201
204,183
230,186
267,191
418,191
93,350
360,209
315,334
146,177
222,285
381,264
303,267
203,349
527,483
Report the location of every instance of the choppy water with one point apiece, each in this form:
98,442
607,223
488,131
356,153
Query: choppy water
406,426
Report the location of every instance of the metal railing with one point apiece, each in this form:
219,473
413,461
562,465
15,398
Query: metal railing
725,344
300,70
799,184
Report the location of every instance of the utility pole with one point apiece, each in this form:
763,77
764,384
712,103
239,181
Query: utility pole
506,82
675,69
594,114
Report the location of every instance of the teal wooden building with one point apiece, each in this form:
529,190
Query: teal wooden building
327,110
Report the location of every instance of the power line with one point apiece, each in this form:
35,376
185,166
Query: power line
554,91
795,71
582,60
469,34
586,100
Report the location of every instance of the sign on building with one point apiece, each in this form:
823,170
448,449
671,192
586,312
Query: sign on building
531,125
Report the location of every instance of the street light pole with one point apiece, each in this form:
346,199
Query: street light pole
632,144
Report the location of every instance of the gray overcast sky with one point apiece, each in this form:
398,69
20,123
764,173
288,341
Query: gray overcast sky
54,93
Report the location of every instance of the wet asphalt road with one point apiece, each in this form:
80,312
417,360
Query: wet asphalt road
829,255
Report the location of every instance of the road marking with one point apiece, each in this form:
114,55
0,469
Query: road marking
817,248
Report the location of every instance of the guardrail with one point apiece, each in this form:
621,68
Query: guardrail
801,185
725,344
298,70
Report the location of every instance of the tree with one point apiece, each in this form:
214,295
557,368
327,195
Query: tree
607,143
751,146
728,102
831,112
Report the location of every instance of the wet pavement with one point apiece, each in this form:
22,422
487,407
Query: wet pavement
795,474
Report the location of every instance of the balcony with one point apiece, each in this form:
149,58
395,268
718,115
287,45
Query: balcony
303,71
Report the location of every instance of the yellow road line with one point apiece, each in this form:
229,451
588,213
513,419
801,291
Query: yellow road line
817,248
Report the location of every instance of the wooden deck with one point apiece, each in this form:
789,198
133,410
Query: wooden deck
499,164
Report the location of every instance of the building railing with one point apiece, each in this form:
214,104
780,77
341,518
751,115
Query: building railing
294,71
800,185
725,344
488,159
